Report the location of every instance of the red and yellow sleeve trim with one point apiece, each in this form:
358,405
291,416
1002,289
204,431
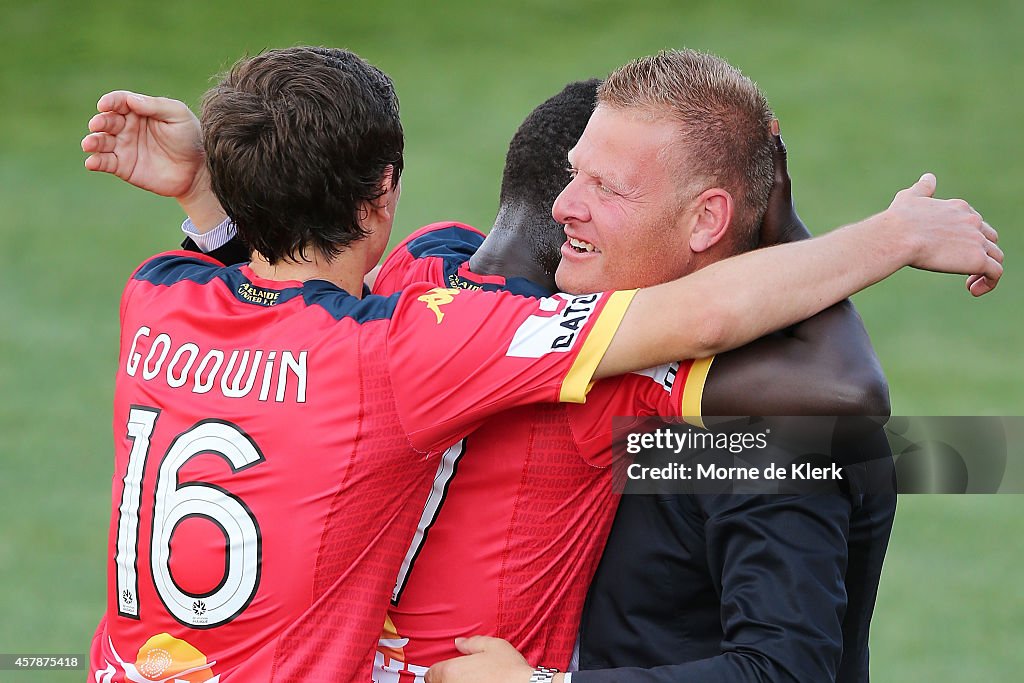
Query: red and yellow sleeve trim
579,379
693,391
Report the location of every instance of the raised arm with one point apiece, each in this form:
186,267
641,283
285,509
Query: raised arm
153,143
768,289
824,365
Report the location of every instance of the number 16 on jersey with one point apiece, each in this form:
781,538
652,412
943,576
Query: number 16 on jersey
171,504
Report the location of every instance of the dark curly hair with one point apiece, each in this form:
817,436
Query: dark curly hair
536,163
297,140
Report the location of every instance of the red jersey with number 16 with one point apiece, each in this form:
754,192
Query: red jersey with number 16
270,456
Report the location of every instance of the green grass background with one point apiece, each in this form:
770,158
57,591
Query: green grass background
870,95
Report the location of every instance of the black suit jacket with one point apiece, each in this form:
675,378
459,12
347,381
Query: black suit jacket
709,588
231,253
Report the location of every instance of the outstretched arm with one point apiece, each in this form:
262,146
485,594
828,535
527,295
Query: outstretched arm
824,365
767,288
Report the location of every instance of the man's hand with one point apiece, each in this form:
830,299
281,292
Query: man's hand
946,235
153,143
781,223
487,660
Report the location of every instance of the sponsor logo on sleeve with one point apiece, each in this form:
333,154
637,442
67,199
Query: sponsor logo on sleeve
436,298
556,328
664,375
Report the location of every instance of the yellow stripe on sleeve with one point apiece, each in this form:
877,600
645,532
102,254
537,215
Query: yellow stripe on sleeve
577,381
693,391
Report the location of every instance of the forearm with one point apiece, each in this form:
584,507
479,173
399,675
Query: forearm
200,204
739,299
778,286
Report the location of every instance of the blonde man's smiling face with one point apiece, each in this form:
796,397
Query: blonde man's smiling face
624,219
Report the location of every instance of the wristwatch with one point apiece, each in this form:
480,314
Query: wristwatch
543,674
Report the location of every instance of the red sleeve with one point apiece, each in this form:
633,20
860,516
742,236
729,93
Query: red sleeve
672,390
403,266
458,356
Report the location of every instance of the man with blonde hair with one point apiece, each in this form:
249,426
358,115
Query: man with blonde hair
672,175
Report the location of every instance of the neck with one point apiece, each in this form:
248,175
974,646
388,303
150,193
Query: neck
507,250
346,270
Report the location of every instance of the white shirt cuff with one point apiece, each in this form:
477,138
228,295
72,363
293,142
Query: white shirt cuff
567,677
212,239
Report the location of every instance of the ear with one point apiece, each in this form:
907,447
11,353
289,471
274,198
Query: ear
382,209
713,211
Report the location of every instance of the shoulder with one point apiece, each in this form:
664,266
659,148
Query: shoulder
433,253
174,266
447,239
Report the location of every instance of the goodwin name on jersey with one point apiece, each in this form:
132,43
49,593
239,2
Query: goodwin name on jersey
232,372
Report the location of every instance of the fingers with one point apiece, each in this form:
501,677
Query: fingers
475,644
436,673
924,187
992,270
115,101
982,285
978,285
101,157
979,288
125,102
991,275
99,142
103,163
994,252
779,154
107,122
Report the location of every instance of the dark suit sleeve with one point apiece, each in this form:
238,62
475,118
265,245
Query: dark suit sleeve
778,564
229,254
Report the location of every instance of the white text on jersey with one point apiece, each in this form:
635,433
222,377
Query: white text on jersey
232,373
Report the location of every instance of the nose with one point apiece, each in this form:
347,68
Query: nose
569,206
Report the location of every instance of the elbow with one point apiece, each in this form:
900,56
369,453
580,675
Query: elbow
711,334
864,394
878,398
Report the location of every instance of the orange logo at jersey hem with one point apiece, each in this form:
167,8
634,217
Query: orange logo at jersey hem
166,659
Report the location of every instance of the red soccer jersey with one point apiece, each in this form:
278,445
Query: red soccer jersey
270,456
521,508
